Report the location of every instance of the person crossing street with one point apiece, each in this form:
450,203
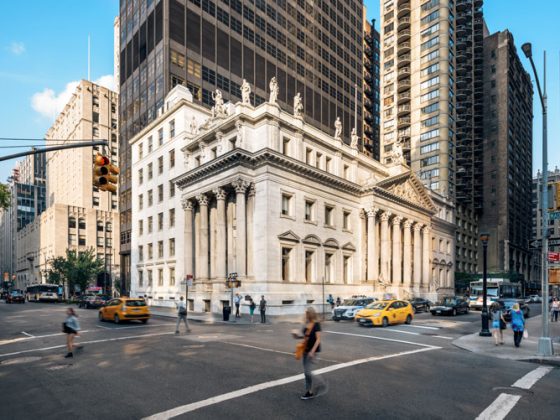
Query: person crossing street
182,315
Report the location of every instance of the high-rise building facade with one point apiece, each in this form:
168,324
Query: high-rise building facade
507,157
371,89
418,88
315,49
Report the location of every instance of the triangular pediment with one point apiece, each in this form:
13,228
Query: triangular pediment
349,247
289,236
407,187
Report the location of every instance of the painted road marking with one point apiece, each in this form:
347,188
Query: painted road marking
27,334
384,339
532,377
500,408
420,326
88,342
135,326
403,332
174,412
443,336
274,351
32,337
502,405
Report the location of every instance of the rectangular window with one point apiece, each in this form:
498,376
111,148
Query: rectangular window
150,144
150,251
286,204
160,165
150,279
428,5
430,108
429,43
160,136
140,227
308,155
329,267
140,202
430,122
329,215
309,210
108,242
160,221
140,278
430,95
160,277
72,239
430,56
160,249
140,253
140,176
346,220
140,151
150,198
172,158
172,276
286,264
172,247
346,269
328,164
150,224
171,218
177,58
429,31
150,170
432,160
309,266
429,148
160,193
171,128
429,18
171,189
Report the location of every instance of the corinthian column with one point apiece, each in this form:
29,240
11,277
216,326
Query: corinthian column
250,211
426,256
241,242
372,257
407,256
221,237
396,278
203,238
188,236
417,256
385,244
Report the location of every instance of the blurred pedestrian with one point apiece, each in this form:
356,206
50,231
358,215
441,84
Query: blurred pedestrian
330,301
237,301
555,309
262,309
307,350
517,324
252,306
182,315
498,323
338,302
71,327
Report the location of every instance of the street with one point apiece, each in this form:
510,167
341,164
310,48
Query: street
132,371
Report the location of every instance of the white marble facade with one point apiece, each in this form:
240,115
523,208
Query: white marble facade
289,208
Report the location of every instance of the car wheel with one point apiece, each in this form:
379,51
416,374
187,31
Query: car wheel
100,316
454,312
385,322
144,321
116,319
336,320
408,319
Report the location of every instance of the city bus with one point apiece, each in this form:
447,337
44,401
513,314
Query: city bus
42,293
495,289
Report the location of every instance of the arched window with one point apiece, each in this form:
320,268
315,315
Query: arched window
99,226
109,227
72,222
81,223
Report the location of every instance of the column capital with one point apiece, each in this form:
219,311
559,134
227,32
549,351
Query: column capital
220,193
417,227
372,211
397,220
252,191
407,224
202,199
240,185
426,229
186,203
385,216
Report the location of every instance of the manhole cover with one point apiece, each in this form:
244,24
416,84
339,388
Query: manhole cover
20,360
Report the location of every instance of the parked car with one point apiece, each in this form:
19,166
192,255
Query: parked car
82,300
125,309
533,299
451,305
420,304
385,312
15,296
347,311
94,301
507,304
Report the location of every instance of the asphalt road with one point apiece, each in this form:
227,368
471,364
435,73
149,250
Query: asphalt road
134,371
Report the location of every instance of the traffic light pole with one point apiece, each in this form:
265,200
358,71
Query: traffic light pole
55,148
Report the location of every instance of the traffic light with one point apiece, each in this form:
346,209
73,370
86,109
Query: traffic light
104,174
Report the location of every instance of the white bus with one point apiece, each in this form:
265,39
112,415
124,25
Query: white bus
42,293
495,289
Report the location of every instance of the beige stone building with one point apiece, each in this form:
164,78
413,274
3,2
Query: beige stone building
287,207
78,215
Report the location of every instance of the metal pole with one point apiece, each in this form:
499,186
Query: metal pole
54,148
484,332
323,305
545,343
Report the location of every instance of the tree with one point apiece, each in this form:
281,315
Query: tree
56,272
80,268
5,197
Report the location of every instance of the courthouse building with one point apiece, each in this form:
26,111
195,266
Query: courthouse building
294,211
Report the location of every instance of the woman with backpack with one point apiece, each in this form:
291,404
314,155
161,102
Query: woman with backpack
498,323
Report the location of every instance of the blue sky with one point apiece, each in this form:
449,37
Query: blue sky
43,48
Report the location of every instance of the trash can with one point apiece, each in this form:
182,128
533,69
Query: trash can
226,312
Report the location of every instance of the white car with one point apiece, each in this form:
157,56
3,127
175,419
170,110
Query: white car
534,299
350,307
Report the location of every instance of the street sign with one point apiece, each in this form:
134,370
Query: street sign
554,256
551,242
554,215
188,280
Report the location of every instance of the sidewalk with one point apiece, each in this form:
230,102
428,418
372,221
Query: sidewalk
213,318
528,350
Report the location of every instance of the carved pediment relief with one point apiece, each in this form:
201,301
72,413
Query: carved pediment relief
289,236
312,240
409,188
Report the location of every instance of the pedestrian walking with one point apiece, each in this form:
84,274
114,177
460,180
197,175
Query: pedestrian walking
252,306
307,350
555,309
71,327
182,315
330,301
338,302
262,309
517,324
237,301
498,323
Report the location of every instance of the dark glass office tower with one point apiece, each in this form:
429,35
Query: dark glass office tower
311,47
371,90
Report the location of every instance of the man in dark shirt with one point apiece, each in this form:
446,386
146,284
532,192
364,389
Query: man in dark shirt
262,308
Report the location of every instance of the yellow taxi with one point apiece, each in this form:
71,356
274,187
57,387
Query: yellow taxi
385,312
125,309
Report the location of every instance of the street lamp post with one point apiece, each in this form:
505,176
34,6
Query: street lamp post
484,331
545,343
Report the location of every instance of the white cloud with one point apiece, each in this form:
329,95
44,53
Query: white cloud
48,103
17,48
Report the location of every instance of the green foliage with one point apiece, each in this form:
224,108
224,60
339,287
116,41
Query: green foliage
5,197
55,272
75,269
